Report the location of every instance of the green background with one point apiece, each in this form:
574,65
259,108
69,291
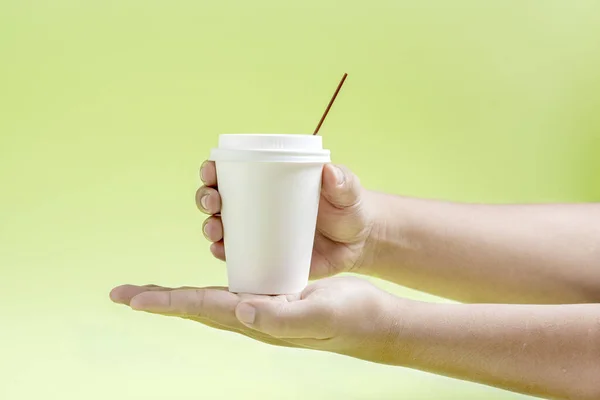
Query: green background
107,109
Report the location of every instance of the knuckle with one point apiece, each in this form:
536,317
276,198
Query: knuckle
352,179
186,302
197,303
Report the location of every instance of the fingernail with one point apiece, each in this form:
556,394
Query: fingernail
204,230
202,171
339,174
245,313
203,201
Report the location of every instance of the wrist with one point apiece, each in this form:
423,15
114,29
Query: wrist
388,238
397,340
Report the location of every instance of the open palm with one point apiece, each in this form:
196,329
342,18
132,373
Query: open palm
327,315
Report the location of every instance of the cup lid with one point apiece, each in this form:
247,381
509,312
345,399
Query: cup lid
265,141
264,147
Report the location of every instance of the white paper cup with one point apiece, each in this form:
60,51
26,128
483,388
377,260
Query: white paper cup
270,186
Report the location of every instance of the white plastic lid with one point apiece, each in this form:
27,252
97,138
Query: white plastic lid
270,148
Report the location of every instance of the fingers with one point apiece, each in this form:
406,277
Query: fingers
216,304
208,200
208,173
218,250
124,293
341,187
213,229
242,330
184,305
341,216
303,319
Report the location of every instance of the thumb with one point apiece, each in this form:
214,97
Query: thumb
340,186
302,319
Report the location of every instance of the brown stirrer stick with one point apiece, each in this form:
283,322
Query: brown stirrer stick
330,103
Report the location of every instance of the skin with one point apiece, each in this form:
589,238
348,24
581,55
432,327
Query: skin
546,257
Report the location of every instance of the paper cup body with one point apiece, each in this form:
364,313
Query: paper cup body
270,188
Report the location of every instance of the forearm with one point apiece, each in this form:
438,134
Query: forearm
489,253
542,350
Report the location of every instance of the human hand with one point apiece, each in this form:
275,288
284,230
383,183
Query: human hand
344,315
344,239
